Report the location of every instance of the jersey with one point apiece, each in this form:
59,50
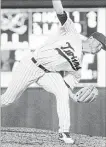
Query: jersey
63,52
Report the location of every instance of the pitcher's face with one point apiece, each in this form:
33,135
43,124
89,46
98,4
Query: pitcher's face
94,45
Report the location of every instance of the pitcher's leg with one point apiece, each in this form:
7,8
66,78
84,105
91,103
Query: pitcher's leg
53,82
63,110
22,77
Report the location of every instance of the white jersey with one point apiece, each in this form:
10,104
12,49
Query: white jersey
68,40
48,55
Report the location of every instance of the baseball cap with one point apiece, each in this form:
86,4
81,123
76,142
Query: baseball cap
100,37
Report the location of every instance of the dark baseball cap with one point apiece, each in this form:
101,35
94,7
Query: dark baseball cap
101,38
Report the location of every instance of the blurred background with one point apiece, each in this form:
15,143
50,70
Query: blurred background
25,26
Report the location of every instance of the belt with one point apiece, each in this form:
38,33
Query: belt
39,65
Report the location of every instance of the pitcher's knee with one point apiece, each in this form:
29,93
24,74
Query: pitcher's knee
4,104
5,101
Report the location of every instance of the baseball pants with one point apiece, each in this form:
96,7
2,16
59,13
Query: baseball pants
25,74
54,83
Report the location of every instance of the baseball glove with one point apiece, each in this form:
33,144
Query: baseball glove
86,94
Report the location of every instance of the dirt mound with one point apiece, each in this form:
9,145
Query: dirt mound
30,137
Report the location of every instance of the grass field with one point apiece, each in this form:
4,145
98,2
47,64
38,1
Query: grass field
30,137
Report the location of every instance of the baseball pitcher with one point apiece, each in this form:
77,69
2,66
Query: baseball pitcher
62,52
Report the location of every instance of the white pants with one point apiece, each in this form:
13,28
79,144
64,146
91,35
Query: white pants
26,73
54,83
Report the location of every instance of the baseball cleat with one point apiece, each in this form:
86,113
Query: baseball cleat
65,136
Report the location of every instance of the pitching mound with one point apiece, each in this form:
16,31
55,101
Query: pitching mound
29,137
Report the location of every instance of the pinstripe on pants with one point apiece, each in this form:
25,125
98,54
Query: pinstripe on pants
54,83
25,73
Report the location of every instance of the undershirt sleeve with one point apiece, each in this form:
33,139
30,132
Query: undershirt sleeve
62,18
67,24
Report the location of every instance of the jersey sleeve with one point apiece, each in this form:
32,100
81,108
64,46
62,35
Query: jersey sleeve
72,80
